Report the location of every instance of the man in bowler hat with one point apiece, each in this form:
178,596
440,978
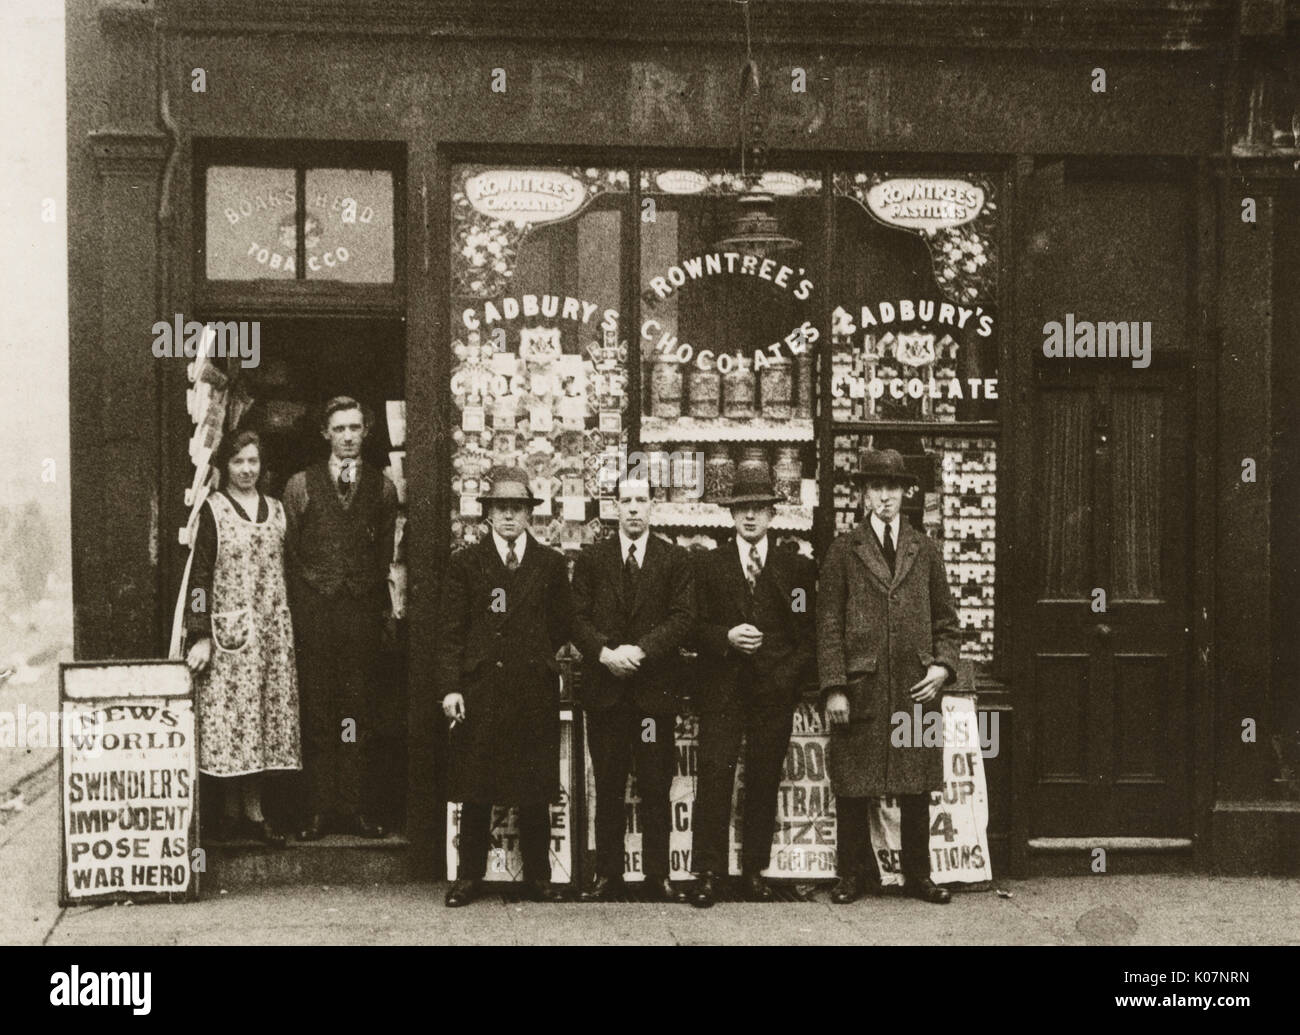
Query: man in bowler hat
887,639
634,606
505,611
755,637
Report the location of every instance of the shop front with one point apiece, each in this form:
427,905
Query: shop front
555,256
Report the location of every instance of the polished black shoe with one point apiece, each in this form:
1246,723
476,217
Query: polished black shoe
463,892
928,891
602,889
367,828
314,830
755,888
541,891
703,894
662,889
846,890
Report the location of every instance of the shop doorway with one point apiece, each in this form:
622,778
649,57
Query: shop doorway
1102,615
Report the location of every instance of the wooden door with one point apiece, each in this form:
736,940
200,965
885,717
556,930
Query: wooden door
1106,515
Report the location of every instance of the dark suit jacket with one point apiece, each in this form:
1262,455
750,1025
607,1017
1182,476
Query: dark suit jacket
498,634
657,618
729,680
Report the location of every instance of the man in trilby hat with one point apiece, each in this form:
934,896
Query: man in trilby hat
755,637
505,611
887,640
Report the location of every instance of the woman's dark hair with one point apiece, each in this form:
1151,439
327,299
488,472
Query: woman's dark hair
232,445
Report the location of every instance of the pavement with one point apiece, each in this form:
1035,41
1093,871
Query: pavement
1172,909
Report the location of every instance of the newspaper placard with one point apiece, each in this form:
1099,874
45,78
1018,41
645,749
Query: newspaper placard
129,802
959,814
505,863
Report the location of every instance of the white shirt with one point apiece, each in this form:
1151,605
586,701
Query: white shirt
624,543
878,527
743,547
503,546
336,466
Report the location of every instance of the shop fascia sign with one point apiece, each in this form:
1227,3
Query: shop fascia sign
525,195
924,203
689,181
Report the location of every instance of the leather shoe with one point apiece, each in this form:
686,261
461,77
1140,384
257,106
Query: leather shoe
367,828
541,891
703,894
846,890
602,889
662,889
463,892
314,830
263,831
755,888
928,891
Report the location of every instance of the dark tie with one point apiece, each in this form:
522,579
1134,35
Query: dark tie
888,547
512,558
754,568
631,570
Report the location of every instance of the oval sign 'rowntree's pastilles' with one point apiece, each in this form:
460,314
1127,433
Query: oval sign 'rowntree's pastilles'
681,181
525,195
925,203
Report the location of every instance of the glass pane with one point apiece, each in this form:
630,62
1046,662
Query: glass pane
1135,494
915,291
349,231
1065,475
539,350
250,223
728,337
955,504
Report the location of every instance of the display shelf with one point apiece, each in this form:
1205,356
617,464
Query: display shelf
724,429
788,518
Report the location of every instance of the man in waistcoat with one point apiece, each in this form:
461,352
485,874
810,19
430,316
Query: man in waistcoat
634,606
504,612
341,515
755,634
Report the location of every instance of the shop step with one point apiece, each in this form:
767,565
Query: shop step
337,859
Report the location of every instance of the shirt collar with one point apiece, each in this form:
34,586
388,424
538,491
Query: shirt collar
336,465
503,547
624,542
742,547
878,527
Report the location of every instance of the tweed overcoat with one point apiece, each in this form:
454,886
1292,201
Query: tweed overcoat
876,635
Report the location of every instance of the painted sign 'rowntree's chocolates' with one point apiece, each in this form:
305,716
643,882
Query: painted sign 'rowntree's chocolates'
525,196
925,203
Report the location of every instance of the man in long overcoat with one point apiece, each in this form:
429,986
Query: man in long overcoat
506,610
634,606
887,639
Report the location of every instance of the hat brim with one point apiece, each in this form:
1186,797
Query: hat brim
759,498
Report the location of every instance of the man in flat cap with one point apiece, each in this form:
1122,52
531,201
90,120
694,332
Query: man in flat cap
634,606
755,636
887,639
505,611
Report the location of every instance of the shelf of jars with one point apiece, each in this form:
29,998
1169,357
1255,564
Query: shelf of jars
656,430
701,514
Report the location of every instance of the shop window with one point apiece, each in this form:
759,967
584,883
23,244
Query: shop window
728,338
914,365
299,223
539,350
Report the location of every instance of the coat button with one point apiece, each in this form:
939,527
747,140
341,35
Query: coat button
501,664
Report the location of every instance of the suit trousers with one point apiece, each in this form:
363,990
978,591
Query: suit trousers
853,829
338,640
476,838
766,731
615,738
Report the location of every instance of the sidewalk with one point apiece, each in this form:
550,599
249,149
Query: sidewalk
1114,910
